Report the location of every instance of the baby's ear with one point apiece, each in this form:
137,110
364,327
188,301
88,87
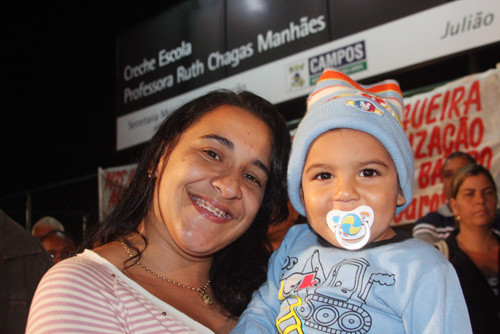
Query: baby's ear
401,198
301,193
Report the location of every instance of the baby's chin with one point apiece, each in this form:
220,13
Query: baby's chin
385,235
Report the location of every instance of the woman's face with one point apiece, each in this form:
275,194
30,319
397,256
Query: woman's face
476,201
211,186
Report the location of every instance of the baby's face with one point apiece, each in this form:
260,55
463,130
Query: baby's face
347,168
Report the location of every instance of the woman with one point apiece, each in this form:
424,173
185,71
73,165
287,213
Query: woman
186,246
474,248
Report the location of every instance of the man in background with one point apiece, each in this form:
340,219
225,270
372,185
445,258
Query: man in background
59,245
23,262
45,225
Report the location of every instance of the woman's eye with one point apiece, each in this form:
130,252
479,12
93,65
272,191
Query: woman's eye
368,172
490,193
253,179
323,176
212,154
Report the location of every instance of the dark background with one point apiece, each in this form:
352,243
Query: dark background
57,78
57,125
57,87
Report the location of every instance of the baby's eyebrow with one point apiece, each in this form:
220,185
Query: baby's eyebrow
374,161
317,166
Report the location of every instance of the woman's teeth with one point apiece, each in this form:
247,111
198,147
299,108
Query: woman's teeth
207,206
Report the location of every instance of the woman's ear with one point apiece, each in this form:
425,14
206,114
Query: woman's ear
452,203
161,164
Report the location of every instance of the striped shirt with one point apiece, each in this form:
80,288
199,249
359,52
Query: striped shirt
435,226
87,294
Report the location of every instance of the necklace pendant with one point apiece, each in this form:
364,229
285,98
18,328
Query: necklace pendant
207,299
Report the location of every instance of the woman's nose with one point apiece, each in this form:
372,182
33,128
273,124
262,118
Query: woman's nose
479,197
229,185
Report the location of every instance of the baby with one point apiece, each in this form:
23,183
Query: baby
348,271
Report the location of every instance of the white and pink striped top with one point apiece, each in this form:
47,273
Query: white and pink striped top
87,294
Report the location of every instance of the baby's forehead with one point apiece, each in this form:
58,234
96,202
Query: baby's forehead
346,134
348,143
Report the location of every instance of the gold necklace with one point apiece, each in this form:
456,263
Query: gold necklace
207,299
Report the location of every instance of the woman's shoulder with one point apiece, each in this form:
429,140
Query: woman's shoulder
81,269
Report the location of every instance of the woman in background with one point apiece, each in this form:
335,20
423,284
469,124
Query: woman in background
474,248
186,246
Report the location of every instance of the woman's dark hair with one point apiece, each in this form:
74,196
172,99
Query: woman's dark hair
465,172
239,268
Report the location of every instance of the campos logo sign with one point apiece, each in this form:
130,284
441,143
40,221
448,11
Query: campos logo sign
348,59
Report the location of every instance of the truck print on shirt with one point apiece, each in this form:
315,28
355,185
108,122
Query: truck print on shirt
341,311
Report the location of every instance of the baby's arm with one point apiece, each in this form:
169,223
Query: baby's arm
260,315
437,304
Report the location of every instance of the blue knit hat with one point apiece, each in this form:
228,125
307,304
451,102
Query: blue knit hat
338,102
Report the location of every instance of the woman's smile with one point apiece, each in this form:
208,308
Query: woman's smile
210,211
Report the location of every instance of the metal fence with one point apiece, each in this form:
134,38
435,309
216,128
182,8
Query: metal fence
73,202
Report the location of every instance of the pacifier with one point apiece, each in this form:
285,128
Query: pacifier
351,228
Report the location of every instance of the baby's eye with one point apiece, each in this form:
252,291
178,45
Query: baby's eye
212,154
368,172
323,176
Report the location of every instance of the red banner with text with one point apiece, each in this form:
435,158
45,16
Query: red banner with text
463,115
112,183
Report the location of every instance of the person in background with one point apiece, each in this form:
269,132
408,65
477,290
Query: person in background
45,225
438,225
59,245
187,244
23,262
473,249
347,271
